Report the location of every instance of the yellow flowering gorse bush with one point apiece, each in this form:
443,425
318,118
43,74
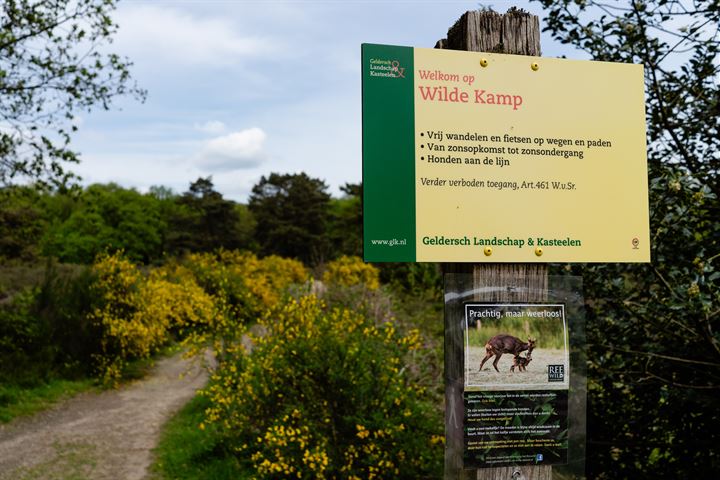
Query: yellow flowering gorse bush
247,284
348,271
242,287
323,394
316,393
135,314
123,337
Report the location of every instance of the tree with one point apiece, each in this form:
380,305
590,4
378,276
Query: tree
52,65
245,229
204,221
106,218
678,43
653,333
345,229
22,223
292,213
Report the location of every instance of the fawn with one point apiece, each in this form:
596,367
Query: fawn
521,362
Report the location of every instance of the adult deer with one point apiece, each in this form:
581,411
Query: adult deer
505,343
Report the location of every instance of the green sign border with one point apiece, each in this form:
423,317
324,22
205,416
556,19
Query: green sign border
388,124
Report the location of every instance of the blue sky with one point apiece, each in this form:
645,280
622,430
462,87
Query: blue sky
240,89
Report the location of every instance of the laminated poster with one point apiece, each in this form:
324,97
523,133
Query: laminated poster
516,385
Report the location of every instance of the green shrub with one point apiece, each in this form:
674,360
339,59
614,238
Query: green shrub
44,332
20,334
418,279
185,452
63,303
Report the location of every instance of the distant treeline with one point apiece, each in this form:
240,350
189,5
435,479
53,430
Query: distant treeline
291,215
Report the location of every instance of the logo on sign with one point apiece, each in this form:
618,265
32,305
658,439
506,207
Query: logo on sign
556,373
386,68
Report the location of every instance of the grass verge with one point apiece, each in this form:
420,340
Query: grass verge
31,396
185,452
16,401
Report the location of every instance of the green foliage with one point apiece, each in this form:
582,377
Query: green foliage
77,225
292,213
653,329
244,283
424,279
43,329
245,228
19,332
345,226
348,283
45,339
185,452
106,218
204,221
74,226
16,401
324,394
547,332
21,223
52,64
427,364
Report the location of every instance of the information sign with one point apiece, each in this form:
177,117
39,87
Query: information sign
479,157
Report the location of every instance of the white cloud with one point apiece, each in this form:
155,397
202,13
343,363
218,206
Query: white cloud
173,37
235,151
236,185
139,170
213,127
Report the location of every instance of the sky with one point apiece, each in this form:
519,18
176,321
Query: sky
241,89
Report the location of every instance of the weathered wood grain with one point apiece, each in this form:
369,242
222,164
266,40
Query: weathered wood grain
516,32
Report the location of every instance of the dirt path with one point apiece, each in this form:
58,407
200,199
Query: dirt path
535,375
98,436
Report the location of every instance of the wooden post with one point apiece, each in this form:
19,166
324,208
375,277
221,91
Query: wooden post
516,32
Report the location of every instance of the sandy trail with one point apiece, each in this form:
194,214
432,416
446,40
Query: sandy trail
107,435
535,375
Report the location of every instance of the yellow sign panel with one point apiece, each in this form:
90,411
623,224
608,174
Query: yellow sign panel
523,159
